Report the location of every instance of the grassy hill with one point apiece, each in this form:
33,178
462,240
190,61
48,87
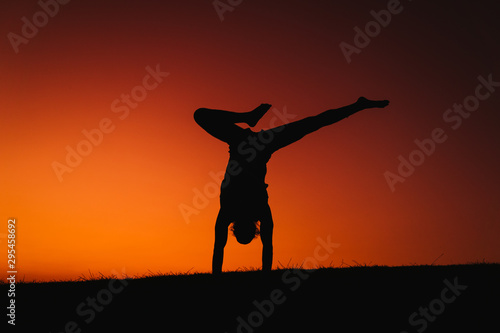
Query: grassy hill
458,298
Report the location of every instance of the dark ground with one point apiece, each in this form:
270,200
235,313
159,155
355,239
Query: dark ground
358,299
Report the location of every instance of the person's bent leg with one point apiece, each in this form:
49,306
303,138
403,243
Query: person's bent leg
222,124
218,123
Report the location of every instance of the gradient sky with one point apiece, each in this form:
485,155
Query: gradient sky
119,208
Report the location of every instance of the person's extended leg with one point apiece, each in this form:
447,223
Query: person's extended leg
222,124
289,133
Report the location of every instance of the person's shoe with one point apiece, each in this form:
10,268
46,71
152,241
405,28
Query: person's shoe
367,103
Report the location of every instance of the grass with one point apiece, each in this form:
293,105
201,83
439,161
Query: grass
355,297
90,276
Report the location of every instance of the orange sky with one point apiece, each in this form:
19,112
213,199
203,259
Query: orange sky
119,208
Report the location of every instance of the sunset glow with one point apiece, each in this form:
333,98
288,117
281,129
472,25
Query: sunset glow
106,171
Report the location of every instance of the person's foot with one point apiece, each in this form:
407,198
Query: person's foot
367,103
255,115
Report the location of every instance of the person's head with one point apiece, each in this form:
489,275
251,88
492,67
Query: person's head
245,229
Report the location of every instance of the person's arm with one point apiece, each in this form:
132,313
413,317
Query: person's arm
220,242
266,236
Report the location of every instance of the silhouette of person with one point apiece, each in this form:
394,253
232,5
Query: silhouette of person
243,198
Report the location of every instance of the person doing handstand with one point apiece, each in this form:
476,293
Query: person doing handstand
243,197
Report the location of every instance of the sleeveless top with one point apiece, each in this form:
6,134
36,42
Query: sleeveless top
244,187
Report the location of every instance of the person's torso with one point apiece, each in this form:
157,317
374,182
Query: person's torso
247,166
